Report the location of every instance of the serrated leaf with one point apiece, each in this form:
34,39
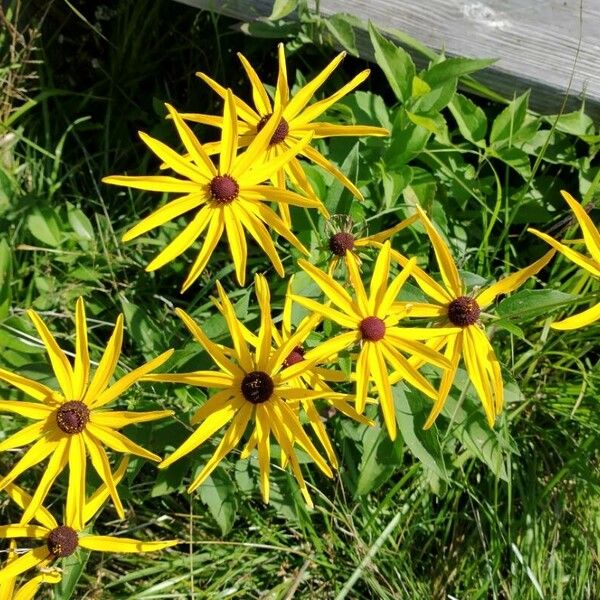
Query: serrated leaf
395,62
470,118
218,493
453,68
509,121
43,224
529,303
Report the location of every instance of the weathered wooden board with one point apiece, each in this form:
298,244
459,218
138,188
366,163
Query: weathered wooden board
551,46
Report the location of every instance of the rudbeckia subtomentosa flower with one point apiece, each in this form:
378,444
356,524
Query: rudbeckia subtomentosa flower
297,118
62,540
74,422
252,386
229,198
373,320
591,237
455,307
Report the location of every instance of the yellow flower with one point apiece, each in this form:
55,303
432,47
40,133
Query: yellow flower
63,540
343,238
73,422
229,198
30,588
373,322
296,120
252,386
591,236
313,378
456,308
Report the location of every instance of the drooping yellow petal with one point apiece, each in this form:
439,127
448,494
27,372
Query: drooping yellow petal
156,183
229,135
316,423
382,383
357,285
488,359
183,240
304,95
81,370
175,161
259,94
99,497
197,153
108,364
448,269
76,489
23,499
591,235
102,466
60,364
27,561
216,419
579,320
36,390
29,589
416,349
264,449
215,230
118,442
362,374
231,438
237,242
513,281
115,390
56,464
213,349
30,410
379,279
36,454
109,543
166,213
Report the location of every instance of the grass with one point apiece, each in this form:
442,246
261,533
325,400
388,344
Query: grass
102,75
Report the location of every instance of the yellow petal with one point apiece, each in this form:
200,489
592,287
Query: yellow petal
31,410
24,436
263,296
362,374
118,442
330,313
304,95
282,89
262,192
579,320
357,285
379,278
215,420
229,135
23,563
215,229
264,449
591,234
166,213
118,419
183,240
54,468
416,349
512,282
108,543
231,438
330,348
32,388
384,389
448,269
259,94
325,130
217,401
22,499
386,234
81,370
102,466
36,454
387,297
115,390
107,365
60,365
76,488
237,242
29,590
99,497
175,161
156,183
299,336
23,531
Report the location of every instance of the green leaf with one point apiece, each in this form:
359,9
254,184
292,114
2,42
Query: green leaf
575,123
380,458
436,99
142,328
529,303
43,224
434,123
5,278
411,413
515,158
339,199
396,64
406,144
282,8
80,223
509,121
453,68
341,29
470,118
72,569
218,493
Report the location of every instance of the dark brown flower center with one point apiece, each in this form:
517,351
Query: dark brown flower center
295,356
340,242
280,132
224,188
72,416
257,387
62,541
372,329
463,311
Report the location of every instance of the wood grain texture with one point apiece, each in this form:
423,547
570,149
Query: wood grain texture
536,41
